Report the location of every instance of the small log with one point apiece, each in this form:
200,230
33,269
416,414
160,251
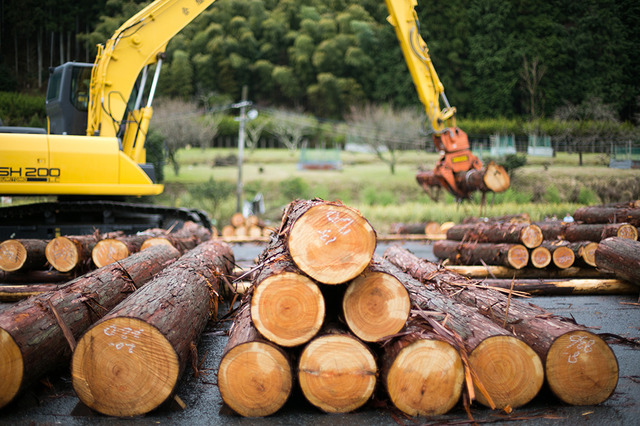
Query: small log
604,214
33,341
130,361
111,250
375,304
254,375
512,255
584,252
491,178
540,257
492,271
565,286
511,218
620,256
254,231
14,293
241,231
70,252
526,234
557,230
562,255
237,220
328,241
24,254
34,277
407,228
337,372
581,369
186,238
228,231
422,372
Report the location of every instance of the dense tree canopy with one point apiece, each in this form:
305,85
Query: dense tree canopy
496,58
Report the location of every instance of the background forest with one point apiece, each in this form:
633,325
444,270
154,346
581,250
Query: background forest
496,58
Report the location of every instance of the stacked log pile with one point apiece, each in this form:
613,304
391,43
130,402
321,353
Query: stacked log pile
251,227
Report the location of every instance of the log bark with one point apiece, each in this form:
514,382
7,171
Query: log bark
584,252
580,367
489,271
562,287
15,293
407,228
512,255
337,372
375,304
561,254
526,234
33,342
111,250
557,230
621,257
287,307
71,252
328,241
22,255
540,257
509,370
604,214
130,361
27,277
422,372
254,376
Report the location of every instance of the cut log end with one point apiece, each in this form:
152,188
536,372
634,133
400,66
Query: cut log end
255,379
627,231
11,368
563,257
588,253
376,305
291,317
108,251
425,378
581,368
12,255
332,243
509,370
155,241
62,254
124,367
531,236
518,256
496,178
337,373
540,257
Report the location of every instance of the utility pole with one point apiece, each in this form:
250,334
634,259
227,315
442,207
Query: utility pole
241,135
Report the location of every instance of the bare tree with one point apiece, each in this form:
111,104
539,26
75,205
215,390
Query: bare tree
292,129
532,74
255,129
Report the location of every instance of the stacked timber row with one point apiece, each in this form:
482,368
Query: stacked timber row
579,366
251,227
432,230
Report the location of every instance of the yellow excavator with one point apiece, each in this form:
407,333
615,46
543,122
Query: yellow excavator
94,148
458,170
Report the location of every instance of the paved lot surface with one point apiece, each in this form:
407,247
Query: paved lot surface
57,404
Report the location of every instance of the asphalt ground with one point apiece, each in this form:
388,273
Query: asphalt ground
54,402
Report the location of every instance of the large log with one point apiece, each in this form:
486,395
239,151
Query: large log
605,214
22,255
337,372
375,304
14,293
526,234
33,341
67,253
515,256
564,286
505,366
130,361
422,371
254,375
580,367
287,306
408,228
620,256
111,250
328,241
558,230
488,179
561,254
540,257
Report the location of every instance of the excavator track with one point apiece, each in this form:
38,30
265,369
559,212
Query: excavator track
51,219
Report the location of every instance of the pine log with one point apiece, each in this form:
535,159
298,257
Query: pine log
490,178
422,372
489,271
512,255
111,250
526,234
254,231
408,228
130,361
14,293
558,230
540,257
287,307
71,252
328,241
604,214
580,367
511,218
29,277
337,372
23,254
625,204
584,252
254,376
186,238
562,255
33,342
228,231
620,256
237,220
375,304
564,286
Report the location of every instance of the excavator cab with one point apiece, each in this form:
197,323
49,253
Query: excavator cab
67,102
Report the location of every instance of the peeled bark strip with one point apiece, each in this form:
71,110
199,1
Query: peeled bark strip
562,255
32,341
580,367
337,372
492,271
507,367
408,228
604,214
423,373
14,293
376,304
70,252
620,256
526,234
512,255
557,230
566,286
287,307
254,376
329,241
111,250
130,361
22,255
540,257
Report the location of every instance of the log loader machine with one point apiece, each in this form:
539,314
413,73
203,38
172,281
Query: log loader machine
93,152
458,170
